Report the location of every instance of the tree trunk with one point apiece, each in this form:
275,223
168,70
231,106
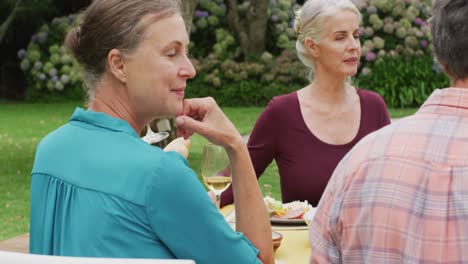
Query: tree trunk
251,32
188,7
6,24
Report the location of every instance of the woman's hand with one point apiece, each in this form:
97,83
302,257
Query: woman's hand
203,116
180,145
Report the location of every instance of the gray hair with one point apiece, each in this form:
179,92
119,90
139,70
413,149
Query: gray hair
449,27
310,21
112,24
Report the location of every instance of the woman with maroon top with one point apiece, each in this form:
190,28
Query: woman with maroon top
307,132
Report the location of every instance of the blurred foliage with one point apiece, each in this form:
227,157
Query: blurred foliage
396,56
21,11
52,73
404,81
19,22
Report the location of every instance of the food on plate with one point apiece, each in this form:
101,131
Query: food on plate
292,210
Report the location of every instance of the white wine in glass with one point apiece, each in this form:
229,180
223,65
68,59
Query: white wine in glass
215,170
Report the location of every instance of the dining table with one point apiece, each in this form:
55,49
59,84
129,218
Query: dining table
294,248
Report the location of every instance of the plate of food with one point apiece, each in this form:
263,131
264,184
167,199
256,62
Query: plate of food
289,213
276,237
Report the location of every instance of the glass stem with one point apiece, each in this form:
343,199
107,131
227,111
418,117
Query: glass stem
218,201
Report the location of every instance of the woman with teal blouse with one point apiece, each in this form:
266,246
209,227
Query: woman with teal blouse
98,190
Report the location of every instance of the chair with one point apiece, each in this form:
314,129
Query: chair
7,257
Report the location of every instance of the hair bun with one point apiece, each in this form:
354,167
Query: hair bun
72,41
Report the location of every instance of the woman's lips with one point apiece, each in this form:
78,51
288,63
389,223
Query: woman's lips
353,59
179,92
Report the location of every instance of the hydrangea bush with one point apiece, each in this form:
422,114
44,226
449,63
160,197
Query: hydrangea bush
216,56
393,28
393,32
50,70
397,51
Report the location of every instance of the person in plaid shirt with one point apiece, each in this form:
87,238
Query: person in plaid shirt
401,194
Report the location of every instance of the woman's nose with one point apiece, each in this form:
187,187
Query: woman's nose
187,70
354,43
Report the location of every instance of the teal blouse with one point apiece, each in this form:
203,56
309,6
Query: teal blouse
98,190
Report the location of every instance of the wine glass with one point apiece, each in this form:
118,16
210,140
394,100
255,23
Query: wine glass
215,170
152,138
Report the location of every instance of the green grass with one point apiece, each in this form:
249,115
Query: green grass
23,125
21,128
398,113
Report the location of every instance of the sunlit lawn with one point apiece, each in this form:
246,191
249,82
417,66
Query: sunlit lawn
23,125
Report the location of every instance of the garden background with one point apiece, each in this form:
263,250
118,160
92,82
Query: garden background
244,55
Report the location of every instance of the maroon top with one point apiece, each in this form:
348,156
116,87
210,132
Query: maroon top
305,162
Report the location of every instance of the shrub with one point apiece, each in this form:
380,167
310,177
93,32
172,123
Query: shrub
395,62
52,73
404,82
393,28
394,34
218,62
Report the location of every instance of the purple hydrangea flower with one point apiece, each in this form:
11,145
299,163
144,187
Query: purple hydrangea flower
423,43
291,23
365,71
34,38
369,32
54,78
38,65
53,72
42,76
21,53
371,10
418,21
274,18
64,78
370,56
199,13
361,31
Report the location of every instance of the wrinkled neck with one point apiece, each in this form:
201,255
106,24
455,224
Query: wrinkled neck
112,99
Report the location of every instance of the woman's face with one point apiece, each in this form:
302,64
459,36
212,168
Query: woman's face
157,72
339,50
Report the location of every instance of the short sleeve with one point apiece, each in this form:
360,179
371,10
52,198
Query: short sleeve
183,217
383,110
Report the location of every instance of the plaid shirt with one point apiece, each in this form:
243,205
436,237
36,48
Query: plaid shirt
401,194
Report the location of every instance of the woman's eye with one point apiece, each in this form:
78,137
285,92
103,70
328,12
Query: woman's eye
171,53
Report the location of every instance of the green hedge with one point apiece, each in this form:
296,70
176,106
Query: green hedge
239,93
404,82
